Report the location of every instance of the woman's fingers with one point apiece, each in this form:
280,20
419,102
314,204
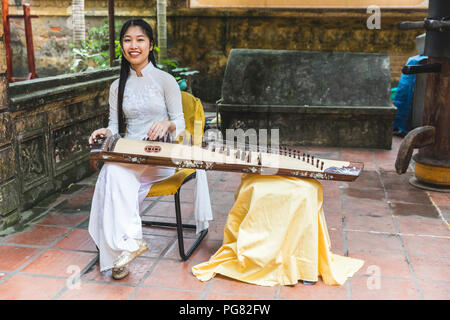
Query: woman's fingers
157,131
99,133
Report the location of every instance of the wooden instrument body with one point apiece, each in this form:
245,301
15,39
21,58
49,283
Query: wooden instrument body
224,158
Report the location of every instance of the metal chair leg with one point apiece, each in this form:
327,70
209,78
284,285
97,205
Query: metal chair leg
180,226
185,255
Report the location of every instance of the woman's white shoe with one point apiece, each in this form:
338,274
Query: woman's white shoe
120,273
126,256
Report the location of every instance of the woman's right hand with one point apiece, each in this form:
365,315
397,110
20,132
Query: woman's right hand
99,133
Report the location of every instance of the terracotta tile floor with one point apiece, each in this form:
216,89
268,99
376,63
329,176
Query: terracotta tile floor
399,231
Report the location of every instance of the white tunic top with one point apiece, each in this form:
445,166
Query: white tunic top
153,97
156,96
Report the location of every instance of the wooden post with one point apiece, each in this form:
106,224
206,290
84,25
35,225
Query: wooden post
112,47
7,37
432,162
29,40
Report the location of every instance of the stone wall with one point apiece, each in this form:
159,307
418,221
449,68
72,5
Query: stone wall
9,193
202,38
45,127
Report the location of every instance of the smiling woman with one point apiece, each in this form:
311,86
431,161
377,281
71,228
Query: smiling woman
136,47
145,102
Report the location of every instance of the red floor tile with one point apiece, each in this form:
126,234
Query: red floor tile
367,179
146,205
373,242
431,267
336,239
167,209
59,262
382,156
365,207
409,196
73,205
52,200
427,246
319,291
228,182
77,239
372,288
158,231
382,264
440,198
220,212
165,294
138,270
361,193
202,253
174,275
435,290
157,245
95,291
38,235
215,230
225,285
422,226
186,195
331,190
414,210
370,223
84,195
330,185
220,198
333,220
64,219
331,205
222,296
13,257
24,287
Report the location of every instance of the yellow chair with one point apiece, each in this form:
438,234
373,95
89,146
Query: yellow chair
194,117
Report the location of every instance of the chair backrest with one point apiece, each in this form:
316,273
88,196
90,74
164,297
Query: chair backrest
194,116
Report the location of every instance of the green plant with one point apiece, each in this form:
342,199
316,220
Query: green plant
181,74
94,52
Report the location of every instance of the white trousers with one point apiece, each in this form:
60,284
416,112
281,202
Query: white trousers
120,190
114,222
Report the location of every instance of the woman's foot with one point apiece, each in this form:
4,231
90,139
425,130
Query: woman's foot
126,256
120,273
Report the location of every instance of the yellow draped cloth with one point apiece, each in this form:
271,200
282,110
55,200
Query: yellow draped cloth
276,234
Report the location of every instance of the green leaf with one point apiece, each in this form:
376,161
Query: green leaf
189,73
180,69
169,62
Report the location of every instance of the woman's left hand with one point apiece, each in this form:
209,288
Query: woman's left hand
159,129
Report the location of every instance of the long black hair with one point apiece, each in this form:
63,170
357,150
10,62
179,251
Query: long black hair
125,65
